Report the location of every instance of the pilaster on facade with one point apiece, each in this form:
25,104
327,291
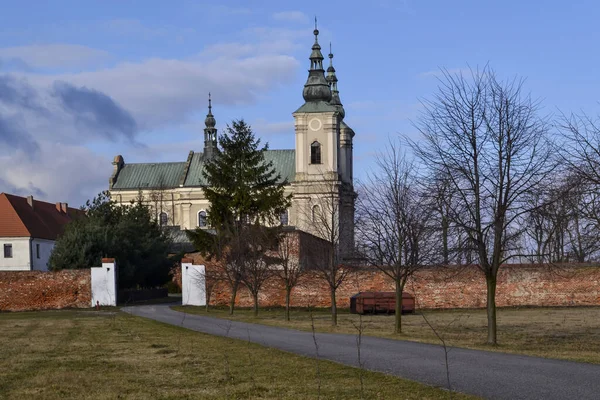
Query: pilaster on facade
185,212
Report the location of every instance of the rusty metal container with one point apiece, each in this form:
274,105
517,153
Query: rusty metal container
380,302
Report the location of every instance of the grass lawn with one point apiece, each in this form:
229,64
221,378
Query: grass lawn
565,333
109,355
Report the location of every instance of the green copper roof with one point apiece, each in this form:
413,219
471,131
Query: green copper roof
284,162
168,175
316,107
195,176
149,176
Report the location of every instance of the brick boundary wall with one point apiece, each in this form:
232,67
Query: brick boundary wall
36,290
441,287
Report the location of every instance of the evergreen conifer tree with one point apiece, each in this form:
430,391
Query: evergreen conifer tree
246,196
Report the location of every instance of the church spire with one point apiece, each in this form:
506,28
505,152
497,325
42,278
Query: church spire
210,132
333,80
316,87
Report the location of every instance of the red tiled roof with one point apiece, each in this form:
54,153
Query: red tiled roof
42,221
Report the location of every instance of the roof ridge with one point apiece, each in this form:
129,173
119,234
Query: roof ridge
186,168
161,162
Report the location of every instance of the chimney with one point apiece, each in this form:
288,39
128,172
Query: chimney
30,201
58,207
118,164
64,208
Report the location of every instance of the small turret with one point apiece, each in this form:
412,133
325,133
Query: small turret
210,132
333,80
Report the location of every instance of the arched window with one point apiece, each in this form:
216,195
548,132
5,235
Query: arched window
163,218
202,222
316,213
315,153
283,218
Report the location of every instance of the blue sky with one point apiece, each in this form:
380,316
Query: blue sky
81,82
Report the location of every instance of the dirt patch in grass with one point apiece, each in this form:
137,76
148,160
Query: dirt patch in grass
570,333
82,355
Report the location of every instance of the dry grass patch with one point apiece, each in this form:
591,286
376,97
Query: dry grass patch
570,333
98,355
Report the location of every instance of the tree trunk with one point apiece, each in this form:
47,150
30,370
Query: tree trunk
208,293
333,308
398,310
491,309
255,297
234,289
288,291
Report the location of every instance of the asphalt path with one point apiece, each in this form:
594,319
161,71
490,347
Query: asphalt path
487,374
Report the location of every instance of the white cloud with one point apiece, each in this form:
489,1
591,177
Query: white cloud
54,55
291,16
268,34
50,123
58,173
263,127
159,92
58,111
234,50
135,28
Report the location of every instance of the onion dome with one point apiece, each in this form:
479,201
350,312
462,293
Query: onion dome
316,87
210,121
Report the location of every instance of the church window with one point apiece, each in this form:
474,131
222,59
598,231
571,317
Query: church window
283,218
163,219
202,221
315,153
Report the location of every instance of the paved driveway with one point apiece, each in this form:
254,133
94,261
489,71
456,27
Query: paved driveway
486,374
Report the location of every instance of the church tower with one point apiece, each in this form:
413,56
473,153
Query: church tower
323,202
210,132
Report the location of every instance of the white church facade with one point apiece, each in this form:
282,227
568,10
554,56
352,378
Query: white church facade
318,171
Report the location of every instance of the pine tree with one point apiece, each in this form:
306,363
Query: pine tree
246,196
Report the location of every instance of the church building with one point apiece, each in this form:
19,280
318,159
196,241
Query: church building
318,170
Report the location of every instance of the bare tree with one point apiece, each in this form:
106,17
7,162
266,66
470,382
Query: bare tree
580,149
539,227
232,269
212,277
439,195
290,269
393,230
325,256
258,265
486,136
563,224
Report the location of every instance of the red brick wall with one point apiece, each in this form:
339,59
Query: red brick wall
35,290
452,287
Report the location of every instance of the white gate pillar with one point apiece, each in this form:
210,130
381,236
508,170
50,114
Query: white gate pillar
104,283
193,283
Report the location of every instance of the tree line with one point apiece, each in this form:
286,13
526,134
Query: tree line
488,180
